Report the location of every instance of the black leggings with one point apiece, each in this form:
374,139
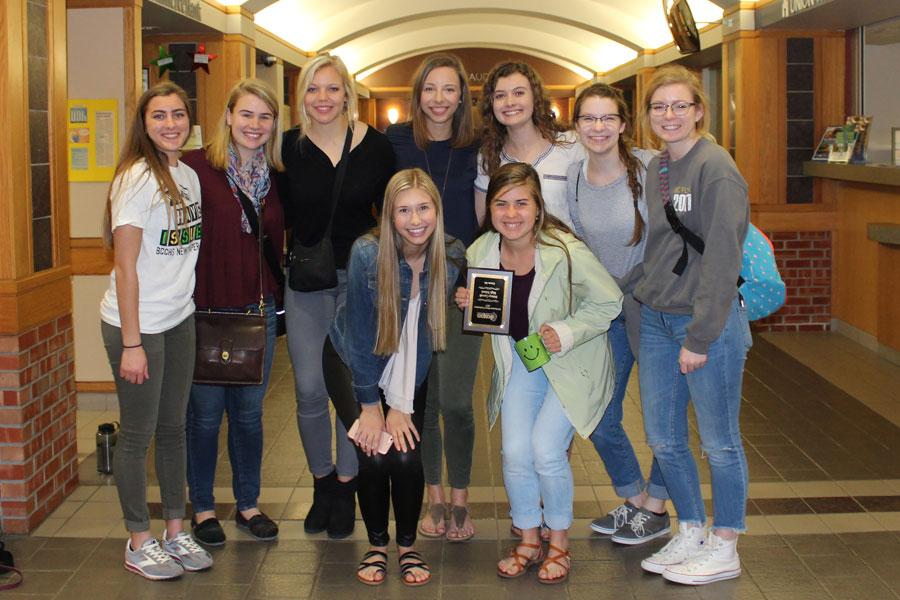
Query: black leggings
395,476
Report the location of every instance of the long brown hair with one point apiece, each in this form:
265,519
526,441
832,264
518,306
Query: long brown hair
547,227
462,125
633,166
387,268
493,133
221,140
138,146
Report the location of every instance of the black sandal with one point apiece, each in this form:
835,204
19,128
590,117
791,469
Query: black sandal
410,560
380,566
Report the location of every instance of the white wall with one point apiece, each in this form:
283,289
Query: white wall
881,90
96,69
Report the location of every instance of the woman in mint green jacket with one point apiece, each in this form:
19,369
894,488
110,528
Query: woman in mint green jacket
561,291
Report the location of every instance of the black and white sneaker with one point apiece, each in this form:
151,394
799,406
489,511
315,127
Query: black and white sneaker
614,519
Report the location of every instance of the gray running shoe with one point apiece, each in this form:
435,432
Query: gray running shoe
186,551
614,519
151,561
643,527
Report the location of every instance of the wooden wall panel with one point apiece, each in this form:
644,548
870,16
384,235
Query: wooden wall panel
90,257
857,284
35,299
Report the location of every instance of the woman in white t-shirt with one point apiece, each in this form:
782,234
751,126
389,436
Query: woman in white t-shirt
518,125
152,222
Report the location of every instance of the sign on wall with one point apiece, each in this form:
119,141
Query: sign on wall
92,139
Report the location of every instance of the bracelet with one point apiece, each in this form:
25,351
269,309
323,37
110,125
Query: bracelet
130,347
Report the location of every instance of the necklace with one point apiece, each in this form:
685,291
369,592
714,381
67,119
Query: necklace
446,173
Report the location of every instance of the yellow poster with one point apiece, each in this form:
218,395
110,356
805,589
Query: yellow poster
92,136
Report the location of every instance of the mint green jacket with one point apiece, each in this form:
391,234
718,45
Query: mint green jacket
583,373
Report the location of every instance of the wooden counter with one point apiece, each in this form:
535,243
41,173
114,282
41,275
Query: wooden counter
878,174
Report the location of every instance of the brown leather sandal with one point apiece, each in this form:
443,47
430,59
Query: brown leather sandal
521,561
437,514
556,558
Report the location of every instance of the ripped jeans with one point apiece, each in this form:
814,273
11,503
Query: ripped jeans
715,391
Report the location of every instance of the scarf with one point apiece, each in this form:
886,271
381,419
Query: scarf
253,180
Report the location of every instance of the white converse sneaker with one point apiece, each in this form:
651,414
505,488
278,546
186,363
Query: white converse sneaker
688,542
718,561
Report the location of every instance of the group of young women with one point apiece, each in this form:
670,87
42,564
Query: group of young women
578,216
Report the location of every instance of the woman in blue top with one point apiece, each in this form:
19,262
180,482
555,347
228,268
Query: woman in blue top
378,354
609,212
439,139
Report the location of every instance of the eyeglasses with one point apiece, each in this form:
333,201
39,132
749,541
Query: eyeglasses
679,109
589,120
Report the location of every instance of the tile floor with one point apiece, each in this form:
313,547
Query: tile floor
821,426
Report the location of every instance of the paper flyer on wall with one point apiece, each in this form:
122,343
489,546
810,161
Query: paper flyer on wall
92,139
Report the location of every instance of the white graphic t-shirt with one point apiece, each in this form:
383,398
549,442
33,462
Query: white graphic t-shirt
165,265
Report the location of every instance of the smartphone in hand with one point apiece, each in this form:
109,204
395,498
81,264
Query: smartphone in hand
387,440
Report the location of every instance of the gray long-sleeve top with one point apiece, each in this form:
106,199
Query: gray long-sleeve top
710,197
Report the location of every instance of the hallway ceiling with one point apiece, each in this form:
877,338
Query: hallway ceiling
585,36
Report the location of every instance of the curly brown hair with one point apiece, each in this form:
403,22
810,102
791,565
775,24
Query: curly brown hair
493,133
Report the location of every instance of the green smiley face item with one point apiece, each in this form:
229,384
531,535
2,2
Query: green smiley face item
532,352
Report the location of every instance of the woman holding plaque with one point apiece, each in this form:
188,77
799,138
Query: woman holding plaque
377,358
694,329
562,293
336,168
518,125
608,211
439,139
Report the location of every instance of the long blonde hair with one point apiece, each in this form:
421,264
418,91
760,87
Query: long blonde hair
387,268
462,124
306,76
221,140
138,146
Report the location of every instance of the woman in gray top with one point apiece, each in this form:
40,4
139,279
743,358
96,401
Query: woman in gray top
608,210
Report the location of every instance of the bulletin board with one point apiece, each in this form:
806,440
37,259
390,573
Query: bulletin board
92,139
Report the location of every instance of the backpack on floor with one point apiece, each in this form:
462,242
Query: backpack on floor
759,284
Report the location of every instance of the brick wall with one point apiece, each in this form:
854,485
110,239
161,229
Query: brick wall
38,452
804,259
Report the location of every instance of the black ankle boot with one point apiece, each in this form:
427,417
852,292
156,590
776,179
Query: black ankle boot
343,510
317,519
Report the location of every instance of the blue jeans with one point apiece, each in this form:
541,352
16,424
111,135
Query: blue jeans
308,315
243,406
610,439
715,390
536,435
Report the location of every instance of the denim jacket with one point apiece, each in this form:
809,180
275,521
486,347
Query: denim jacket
355,323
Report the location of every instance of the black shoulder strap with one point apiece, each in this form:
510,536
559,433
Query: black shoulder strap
268,249
687,236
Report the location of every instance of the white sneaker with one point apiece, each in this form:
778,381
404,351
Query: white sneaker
151,561
687,543
718,561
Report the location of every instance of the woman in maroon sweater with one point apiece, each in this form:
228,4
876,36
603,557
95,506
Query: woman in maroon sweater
243,150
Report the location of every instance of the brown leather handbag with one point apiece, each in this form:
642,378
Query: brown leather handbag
231,346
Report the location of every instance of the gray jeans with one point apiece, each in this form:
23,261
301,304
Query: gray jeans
450,384
154,408
308,315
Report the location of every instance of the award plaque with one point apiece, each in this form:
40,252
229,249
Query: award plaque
490,295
